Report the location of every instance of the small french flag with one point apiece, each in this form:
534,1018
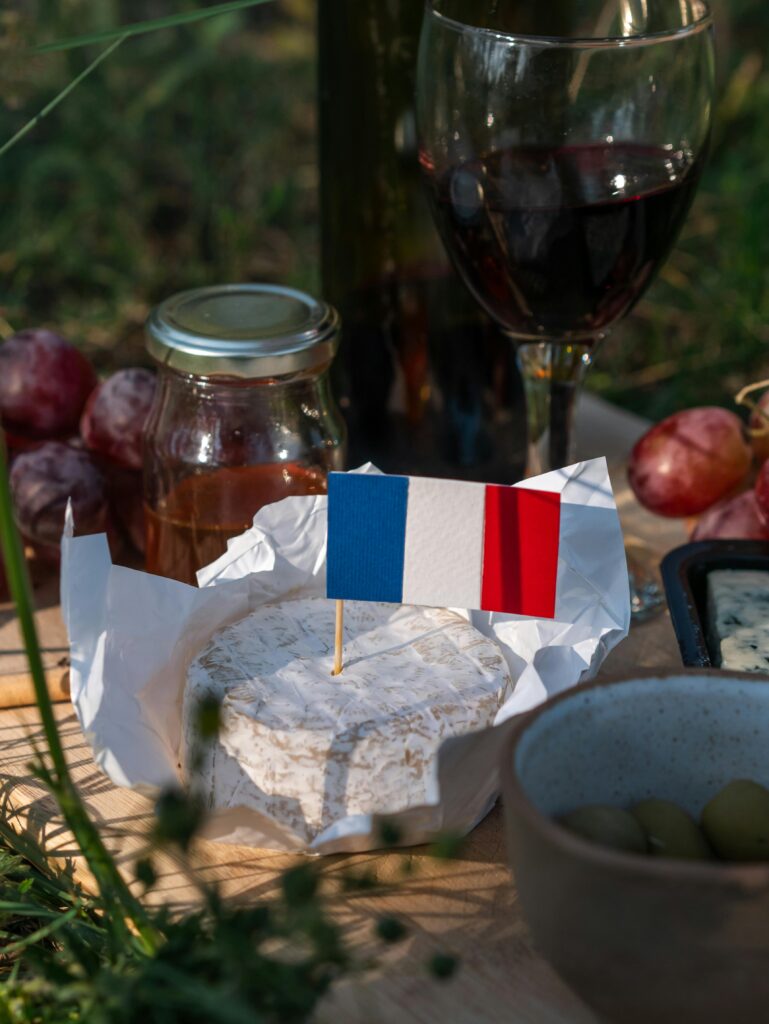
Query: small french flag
444,543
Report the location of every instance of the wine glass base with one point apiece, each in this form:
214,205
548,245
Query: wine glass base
647,597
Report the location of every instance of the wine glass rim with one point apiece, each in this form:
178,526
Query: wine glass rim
703,21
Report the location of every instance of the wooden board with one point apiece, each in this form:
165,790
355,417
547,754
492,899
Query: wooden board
467,907
53,635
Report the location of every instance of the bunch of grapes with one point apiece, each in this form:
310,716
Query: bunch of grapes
70,437
701,462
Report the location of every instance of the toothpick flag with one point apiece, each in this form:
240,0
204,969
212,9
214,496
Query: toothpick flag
443,543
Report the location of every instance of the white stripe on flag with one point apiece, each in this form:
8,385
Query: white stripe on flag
443,561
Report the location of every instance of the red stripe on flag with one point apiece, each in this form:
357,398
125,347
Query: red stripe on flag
520,551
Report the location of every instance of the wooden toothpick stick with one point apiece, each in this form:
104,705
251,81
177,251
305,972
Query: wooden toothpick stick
338,639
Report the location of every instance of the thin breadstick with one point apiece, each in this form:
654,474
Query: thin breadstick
17,691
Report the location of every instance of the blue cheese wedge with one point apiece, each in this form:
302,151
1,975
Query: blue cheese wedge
307,749
738,613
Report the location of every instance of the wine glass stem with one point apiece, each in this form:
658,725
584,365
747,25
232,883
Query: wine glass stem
552,374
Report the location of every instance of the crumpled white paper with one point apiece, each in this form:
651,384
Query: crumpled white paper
133,635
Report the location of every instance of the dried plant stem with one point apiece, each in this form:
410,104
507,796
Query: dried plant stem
741,398
139,28
28,127
115,37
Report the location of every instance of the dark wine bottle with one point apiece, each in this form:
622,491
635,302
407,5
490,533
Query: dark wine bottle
428,384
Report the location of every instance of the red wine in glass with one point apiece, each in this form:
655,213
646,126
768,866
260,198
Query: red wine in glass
562,144
562,242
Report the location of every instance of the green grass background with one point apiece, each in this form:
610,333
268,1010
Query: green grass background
189,157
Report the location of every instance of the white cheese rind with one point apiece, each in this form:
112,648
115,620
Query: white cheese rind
738,613
309,749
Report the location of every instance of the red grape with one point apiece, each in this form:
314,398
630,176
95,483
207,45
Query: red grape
115,415
762,495
44,383
41,483
689,461
732,519
761,444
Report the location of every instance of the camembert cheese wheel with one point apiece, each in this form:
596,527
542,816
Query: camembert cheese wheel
309,749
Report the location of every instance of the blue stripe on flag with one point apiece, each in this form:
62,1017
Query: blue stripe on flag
366,536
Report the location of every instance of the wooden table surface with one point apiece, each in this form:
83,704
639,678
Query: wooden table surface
466,907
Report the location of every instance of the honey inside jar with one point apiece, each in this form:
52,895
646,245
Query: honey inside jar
243,417
200,515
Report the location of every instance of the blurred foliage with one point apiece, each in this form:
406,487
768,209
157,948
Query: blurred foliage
702,332
189,157
268,963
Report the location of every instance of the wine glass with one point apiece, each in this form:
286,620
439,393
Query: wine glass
562,142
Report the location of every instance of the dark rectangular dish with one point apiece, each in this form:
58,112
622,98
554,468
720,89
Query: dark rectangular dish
684,573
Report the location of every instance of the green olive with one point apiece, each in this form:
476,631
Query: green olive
670,831
609,826
736,821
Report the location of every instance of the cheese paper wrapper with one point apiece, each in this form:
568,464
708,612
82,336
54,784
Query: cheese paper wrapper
133,636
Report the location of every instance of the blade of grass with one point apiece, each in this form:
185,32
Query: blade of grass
42,933
29,909
141,27
120,901
27,128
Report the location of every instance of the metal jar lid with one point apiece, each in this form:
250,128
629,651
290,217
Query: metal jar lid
242,330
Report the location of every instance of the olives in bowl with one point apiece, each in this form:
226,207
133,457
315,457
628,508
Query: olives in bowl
670,932
734,826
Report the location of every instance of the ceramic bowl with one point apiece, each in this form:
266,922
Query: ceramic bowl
640,938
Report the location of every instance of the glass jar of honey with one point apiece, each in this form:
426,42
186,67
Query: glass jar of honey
243,416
